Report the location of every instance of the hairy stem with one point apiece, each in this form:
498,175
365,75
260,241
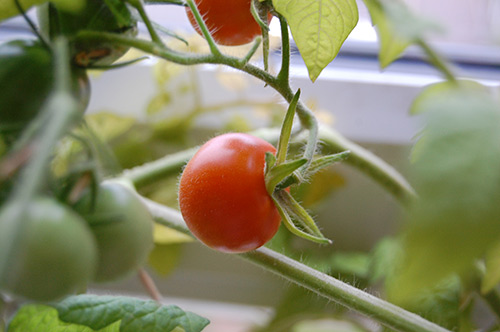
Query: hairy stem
324,285
360,158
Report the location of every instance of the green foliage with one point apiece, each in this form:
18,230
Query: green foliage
8,8
442,303
319,28
456,175
36,318
492,265
397,27
391,45
98,312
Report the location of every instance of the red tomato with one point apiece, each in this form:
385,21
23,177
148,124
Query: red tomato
230,22
223,197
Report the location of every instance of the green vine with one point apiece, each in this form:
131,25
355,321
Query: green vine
324,285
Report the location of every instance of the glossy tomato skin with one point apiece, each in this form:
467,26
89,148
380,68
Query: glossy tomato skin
54,255
223,197
230,22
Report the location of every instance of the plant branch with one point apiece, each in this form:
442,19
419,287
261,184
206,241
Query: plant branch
324,285
437,61
360,158
139,6
371,165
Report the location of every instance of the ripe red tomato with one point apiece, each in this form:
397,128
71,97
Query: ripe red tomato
230,22
223,197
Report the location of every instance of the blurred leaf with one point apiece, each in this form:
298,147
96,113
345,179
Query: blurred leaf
492,275
164,71
444,91
391,45
296,305
37,318
456,176
8,8
440,304
158,103
319,187
167,235
350,264
327,325
237,123
319,28
135,315
384,258
109,125
397,27
165,257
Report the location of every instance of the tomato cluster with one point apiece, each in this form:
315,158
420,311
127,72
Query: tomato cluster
223,196
59,250
230,23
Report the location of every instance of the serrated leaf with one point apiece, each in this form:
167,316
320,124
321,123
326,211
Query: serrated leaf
319,28
456,176
37,318
492,275
135,315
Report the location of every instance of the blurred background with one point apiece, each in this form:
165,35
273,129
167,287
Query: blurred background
179,107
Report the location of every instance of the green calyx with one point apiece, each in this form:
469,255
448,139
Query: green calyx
281,173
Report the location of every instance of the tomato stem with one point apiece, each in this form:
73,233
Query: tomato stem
214,49
322,284
437,61
139,6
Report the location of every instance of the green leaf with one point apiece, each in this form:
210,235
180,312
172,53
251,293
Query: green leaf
391,45
445,90
492,275
135,315
8,8
397,27
456,176
37,318
319,28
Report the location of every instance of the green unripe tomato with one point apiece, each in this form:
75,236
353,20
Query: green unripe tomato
95,16
27,78
122,226
54,255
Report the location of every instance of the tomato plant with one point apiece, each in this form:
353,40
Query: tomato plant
122,226
230,23
30,60
223,197
95,15
55,255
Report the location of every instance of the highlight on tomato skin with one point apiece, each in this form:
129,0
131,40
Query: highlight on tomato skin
223,197
230,23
